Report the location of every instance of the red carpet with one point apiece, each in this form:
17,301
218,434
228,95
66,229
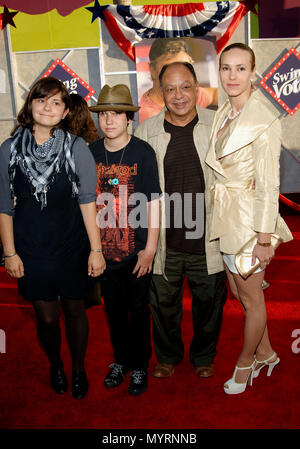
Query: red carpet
180,402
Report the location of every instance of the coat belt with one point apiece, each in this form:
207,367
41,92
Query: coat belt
222,200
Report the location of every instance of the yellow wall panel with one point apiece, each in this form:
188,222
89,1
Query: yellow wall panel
52,31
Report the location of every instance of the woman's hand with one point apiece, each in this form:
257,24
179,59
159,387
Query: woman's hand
14,266
263,254
96,264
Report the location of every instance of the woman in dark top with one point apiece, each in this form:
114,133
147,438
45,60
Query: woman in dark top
50,238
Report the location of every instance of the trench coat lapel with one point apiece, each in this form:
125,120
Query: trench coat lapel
211,158
252,122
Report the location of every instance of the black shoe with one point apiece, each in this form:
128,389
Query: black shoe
115,376
59,381
138,383
80,384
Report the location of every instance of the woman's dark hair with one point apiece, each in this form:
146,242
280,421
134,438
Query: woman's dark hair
79,120
43,88
240,46
186,64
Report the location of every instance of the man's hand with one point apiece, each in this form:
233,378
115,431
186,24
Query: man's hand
144,263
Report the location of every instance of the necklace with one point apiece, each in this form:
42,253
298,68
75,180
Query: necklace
235,114
229,116
114,181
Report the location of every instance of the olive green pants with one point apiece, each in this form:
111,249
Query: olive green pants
209,294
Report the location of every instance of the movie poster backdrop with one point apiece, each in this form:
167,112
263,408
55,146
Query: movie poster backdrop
201,52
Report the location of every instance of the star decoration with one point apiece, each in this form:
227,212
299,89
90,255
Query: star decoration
6,18
141,31
97,10
150,34
223,5
250,5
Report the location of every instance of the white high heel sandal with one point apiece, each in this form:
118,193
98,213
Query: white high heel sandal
270,365
237,388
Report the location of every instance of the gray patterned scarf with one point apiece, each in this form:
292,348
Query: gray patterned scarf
41,163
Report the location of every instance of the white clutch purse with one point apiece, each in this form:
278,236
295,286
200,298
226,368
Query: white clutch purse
243,257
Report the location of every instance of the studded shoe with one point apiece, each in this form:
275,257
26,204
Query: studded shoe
116,375
138,383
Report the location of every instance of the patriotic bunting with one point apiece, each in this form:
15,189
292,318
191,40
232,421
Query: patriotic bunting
128,25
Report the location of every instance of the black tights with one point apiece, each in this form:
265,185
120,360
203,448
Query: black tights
77,329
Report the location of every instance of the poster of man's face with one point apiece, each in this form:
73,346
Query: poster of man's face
153,54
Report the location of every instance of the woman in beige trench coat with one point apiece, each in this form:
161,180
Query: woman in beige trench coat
244,154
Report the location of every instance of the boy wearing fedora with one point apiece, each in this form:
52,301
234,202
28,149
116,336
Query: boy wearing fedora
128,217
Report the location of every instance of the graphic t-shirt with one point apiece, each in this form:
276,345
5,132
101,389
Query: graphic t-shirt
126,180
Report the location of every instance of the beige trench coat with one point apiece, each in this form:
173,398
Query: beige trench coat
152,131
245,159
